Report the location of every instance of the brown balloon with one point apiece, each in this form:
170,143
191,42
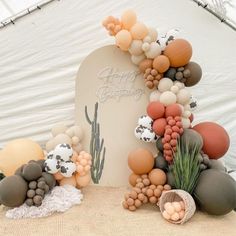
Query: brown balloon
140,161
195,74
146,63
132,179
161,63
179,52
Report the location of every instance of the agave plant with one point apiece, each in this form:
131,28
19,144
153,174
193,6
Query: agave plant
186,167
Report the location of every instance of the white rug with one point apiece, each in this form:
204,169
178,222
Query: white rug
60,199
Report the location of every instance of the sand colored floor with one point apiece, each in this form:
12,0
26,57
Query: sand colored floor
101,214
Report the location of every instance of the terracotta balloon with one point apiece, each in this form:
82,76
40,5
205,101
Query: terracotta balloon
195,74
58,176
179,52
155,110
140,161
82,181
161,63
19,152
157,177
173,110
128,19
215,139
68,181
132,179
139,31
123,39
159,126
146,63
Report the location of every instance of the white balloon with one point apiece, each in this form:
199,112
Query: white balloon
152,33
186,123
136,47
183,96
174,89
186,114
52,166
187,107
63,152
68,168
138,131
168,98
147,39
148,135
145,121
165,84
154,50
179,84
155,96
137,59
145,46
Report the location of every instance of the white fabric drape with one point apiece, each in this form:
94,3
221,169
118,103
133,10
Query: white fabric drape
40,56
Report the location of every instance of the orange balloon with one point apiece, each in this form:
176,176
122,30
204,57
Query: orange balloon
161,63
58,176
82,181
19,152
157,177
132,179
179,52
68,181
123,39
159,126
74,156
146,63
140,161
173,110
139,31
215,139
155,110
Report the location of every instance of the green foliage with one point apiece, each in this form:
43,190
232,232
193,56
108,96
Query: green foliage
1,176
97,149
186,167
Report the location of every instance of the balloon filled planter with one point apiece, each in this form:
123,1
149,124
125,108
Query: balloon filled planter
186,170
37,185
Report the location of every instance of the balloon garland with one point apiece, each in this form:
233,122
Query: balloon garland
186,153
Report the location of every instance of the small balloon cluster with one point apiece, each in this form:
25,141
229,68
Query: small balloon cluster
28,185
68,167
188,154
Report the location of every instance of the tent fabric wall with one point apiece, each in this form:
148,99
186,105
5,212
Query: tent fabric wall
40,56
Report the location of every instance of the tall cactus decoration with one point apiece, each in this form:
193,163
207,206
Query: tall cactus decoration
97,148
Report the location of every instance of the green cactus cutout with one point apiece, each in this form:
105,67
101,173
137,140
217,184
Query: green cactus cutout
97,148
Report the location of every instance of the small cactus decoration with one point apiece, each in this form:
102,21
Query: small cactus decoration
97,148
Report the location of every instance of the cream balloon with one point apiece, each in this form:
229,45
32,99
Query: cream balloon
183,96
152,33
155,96
165,84
168,98
186,123
136,47
57,129
174,89
154,50
137,59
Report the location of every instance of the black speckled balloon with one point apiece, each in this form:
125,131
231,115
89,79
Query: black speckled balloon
215,192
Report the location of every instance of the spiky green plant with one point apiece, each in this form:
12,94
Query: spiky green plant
1,176
186,167
97,149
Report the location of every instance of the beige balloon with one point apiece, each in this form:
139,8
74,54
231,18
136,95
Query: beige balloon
58,129
19,152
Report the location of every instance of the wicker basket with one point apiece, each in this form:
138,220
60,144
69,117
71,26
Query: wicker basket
178,195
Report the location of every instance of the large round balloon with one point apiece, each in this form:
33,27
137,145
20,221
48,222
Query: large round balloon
215,139
216,192
179,52
13,191
19,152
195,74
140,161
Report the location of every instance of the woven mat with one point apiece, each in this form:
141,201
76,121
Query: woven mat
101,214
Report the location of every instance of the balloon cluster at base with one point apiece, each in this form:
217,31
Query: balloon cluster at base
31,172
187,155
